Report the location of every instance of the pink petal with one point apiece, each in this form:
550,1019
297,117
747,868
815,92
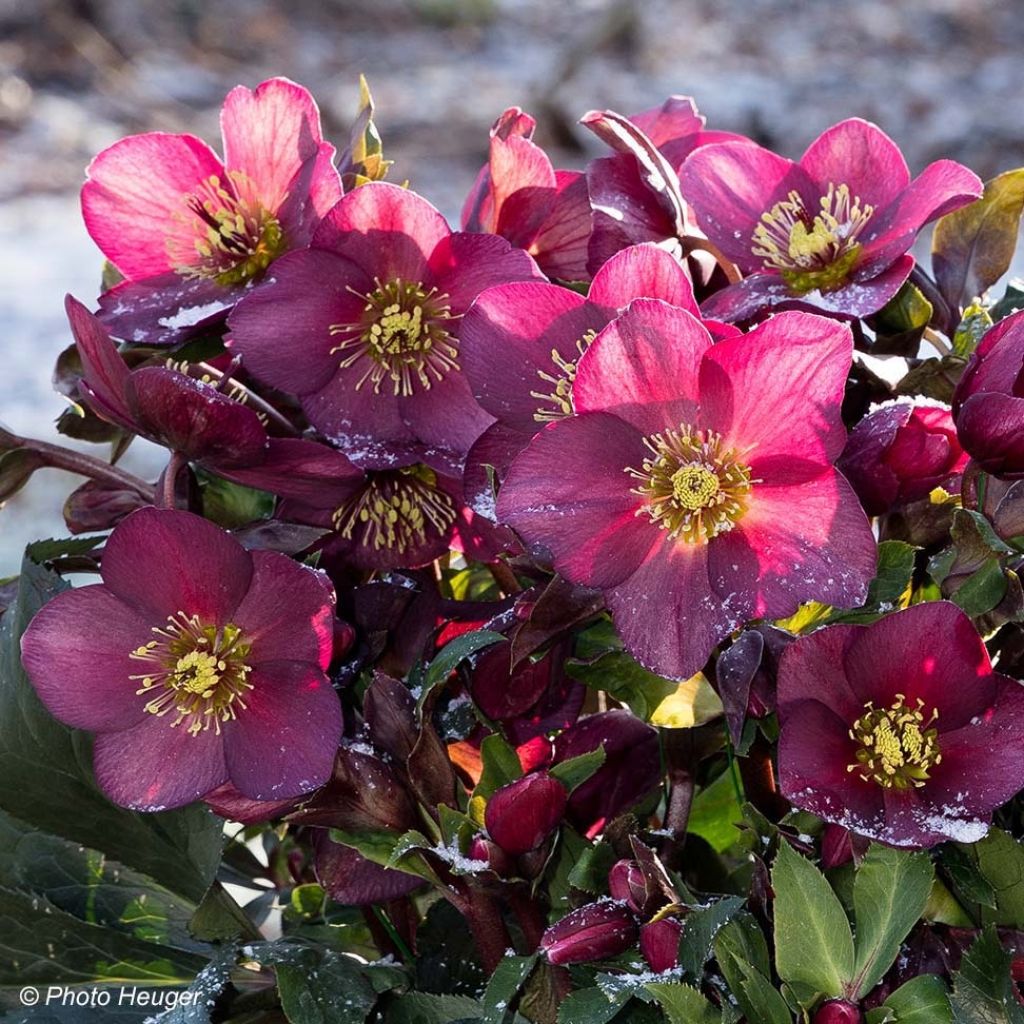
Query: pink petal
561,243
860,155
387,231
570,493
811,541
133,200
777,391
104,372
76,652
643,367
676,118
288,613
162,561
446,414
283,742
643,271
153,767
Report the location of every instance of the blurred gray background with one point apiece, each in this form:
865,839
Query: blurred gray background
944,77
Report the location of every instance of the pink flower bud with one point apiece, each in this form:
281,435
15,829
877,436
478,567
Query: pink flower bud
838,1011
521,815
594,932
491,854
626,883
659,943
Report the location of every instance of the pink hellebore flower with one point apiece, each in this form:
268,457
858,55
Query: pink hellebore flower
190,231
195,662
900,731
695,485
520,196
831,232
364,326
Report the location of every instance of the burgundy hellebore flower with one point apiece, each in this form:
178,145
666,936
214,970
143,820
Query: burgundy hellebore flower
695,485
195,662
521,815
520,196
831,232
988,404
162,405
900,731
900,452
364,325
838,1011
190,232
521,344
659,943
597,931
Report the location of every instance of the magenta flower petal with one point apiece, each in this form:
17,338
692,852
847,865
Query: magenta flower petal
990,426
75,651
152,767
820,656
386,227
132,199
462,265
163,562
859,154
283,743
795,544
562,241
287,613
643,367
272,136
569,491
642,271
104,372
447,415
807,358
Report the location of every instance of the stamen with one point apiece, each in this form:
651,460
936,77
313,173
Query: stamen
559,398
898,746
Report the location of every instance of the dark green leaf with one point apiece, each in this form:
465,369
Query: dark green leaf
1011,302
742,955
683,1004
716,812
922,1000
1000,859
451,654
893,575
501,765
577,770
702,926
504,986
590,872
422,1008
590,1006
16,469
983,991
231,505
983,590
219,918
971,329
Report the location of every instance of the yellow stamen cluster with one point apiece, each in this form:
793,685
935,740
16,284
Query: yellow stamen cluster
396,510
558,401
816,251
197,672
898,746
234,238
403,336
690,486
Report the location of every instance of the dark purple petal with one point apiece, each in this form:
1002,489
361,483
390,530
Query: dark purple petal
812,669
445,415
990,427
354,881
562,241
104,372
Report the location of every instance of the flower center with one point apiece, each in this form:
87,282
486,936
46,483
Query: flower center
234,238
396,510
403,335
898,747
690,486
813,252
557,403
196,671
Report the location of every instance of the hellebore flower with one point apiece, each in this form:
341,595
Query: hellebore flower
838,1011
900,452
521,815
520,196
695,485
900,731
350,879
195,662
988,404
162,405
364,326
598,931
831,232
659,943
190,232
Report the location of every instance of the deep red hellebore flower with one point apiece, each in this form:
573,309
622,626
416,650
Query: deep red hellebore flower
900,731
659,943
521,815
195,663
597,931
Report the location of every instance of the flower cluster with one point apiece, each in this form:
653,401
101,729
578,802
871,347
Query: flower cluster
583,574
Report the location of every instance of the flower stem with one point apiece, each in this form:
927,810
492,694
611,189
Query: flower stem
252,399
59,457
174,465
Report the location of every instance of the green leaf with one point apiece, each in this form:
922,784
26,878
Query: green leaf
961,866
891,584
971,329
504,986
907,310
742,955
982,590
16,469
219,918
683,1004
47,774
813,942
501,765
381,847
591,1006
450,655
972,247
702,925
890,890
577,770
423,1008
1000,859
922,1000
590,872
229,504
983,991
715,813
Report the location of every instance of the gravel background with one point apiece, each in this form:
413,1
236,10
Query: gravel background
944,77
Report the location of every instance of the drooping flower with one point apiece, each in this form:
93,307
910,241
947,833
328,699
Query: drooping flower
597,931
364,326
195,662
988,404
161,404
189,231
900,731
831,232
521,344
695,485
522,814
519,195
659,943
900,452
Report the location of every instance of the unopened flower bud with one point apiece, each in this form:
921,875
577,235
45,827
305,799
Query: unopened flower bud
594,932
491,854
521,815
838,1011
626,882
659,943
